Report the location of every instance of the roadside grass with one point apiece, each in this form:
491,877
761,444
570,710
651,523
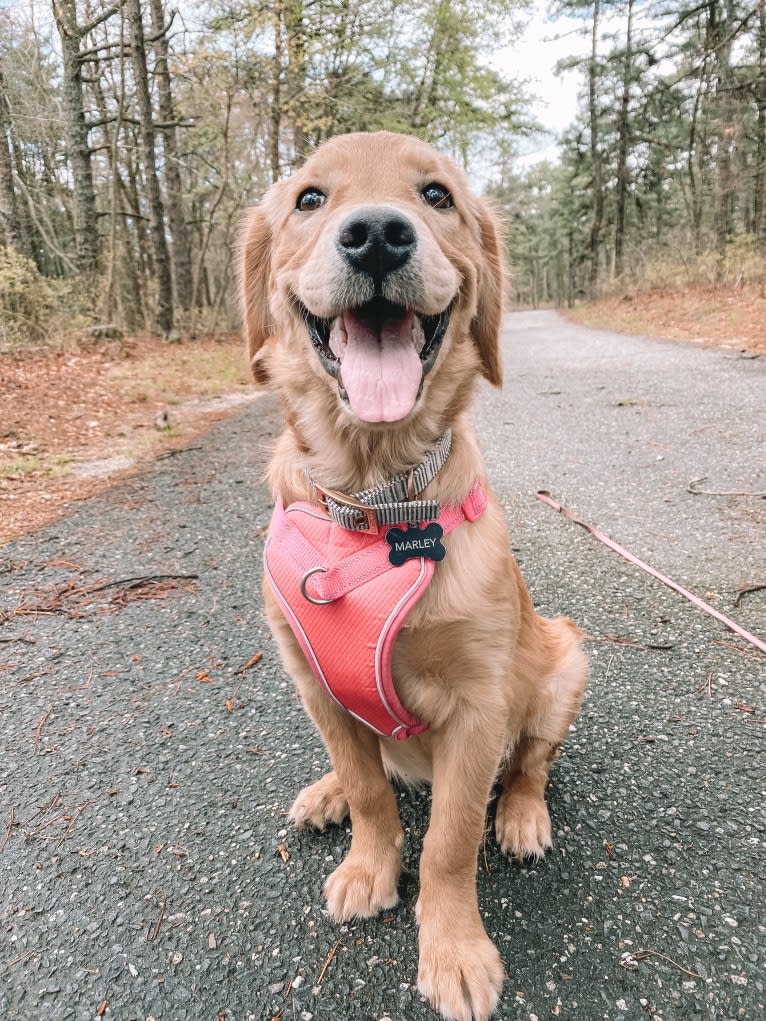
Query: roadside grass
173,373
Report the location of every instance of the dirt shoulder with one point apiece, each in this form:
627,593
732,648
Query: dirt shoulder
708,316
73,421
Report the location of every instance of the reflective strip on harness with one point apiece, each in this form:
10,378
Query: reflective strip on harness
354,606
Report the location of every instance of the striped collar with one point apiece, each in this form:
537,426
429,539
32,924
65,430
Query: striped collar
394,502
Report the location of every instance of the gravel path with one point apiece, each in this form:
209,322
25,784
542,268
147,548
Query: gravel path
150,752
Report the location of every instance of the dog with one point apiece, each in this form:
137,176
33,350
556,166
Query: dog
372,285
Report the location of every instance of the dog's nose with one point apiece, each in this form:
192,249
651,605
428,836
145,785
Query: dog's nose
376,241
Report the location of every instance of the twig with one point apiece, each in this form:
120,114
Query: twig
745,589
17,638
40,725
692,488
707,685
487,869
54,802
327,963
137,582
78,812
641,954
8,830
150,938
20,960
730,645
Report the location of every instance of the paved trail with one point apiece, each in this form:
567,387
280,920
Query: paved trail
146,865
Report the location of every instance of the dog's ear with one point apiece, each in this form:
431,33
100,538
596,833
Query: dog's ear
254,289
486,324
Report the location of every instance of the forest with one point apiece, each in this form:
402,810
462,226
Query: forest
133,134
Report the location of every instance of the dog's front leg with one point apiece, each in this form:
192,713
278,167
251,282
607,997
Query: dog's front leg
460,970
366,881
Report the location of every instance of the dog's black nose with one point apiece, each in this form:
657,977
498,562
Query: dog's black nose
376,241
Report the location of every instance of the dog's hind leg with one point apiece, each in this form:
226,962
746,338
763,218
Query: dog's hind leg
320,804
522,823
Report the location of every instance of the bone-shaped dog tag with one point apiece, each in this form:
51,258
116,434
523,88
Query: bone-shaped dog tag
412,541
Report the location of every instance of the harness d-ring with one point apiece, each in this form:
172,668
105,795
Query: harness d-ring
304,593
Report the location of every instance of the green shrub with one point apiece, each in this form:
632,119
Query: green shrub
27,300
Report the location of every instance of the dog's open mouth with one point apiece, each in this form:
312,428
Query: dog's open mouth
379,353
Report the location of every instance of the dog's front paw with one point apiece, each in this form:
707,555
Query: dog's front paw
320,804
522,825
359,888
461,976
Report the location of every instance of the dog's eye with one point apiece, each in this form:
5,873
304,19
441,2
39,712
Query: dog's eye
310,199
437,196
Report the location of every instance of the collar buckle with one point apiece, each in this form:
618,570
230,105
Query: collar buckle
365,518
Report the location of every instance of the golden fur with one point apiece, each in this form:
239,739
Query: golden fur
498,685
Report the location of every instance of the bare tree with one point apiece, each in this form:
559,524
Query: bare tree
9,217
179,232
161,258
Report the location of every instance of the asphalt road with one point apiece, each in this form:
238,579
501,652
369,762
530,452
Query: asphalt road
147,868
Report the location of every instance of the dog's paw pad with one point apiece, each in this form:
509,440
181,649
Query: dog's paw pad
321,804
356,891
462,978
523,825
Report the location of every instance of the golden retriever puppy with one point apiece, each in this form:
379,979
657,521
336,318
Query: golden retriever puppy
372,290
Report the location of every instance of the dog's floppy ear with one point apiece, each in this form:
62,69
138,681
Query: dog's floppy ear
254,285
485,327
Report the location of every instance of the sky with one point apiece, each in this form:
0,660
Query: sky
534,57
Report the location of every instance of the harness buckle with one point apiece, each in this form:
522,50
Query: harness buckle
365,518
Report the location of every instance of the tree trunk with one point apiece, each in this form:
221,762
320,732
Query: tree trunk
759,179
595,152
164,313
622,154
182,261
719,41
276,96
85,214
295,38
10,224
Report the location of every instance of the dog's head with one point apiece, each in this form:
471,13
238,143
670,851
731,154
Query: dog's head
375,270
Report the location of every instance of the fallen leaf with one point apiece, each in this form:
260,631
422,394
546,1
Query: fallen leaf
282,851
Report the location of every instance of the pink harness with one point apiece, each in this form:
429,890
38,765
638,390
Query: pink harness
346,604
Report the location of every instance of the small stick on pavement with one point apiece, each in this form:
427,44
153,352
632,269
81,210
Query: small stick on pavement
707,686
151,938
641,954
12,821
327,963
40,725
692,487
487,869
78,812
745,589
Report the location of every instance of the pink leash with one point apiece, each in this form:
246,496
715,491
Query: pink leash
546,497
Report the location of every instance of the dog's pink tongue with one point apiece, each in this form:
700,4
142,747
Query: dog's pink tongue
381,374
